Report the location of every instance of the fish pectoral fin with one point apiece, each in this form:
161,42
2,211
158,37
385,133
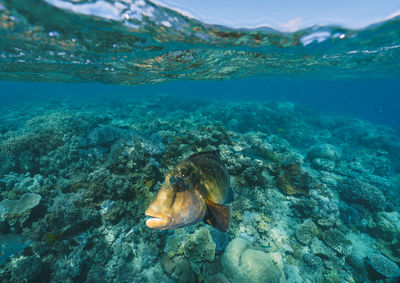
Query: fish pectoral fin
219,216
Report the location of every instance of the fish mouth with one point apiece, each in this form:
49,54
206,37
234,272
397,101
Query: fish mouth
158,220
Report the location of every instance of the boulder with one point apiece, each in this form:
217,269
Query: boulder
242,264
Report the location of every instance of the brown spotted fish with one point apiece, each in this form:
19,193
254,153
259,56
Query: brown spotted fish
197,189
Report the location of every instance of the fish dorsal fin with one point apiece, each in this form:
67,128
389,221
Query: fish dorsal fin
219,216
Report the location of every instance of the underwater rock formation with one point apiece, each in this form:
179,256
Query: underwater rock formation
200,246
383,266
359,191
18,210
388,225
337,241
179,269
293,180
27,201
306,231
243,264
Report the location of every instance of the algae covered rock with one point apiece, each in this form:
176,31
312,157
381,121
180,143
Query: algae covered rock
325,151
104,135
200,246
337,241
306,231
178,269
219,278
362,192
243,264
293,180
388,225
320,249
172,245
383,266
312,261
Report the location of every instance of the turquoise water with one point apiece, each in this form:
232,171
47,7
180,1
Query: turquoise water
101,99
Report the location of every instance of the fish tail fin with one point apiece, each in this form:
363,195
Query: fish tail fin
219,216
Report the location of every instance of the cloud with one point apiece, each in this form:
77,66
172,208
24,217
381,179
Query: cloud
100,8
393,15
292,25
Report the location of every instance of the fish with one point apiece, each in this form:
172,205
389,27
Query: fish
197,189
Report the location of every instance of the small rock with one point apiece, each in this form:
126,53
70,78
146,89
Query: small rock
306,231
384,266
220,239
312,260
337,241
178,269
325,151
200,246
219,278
320,249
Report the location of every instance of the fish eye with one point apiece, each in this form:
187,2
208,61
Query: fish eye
179,184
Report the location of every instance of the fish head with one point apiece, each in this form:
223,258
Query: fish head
177,204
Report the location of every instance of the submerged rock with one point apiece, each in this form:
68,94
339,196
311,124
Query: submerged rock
324,151
178,269
320,249
26,202
306,231
312,260
359,191
200,246
383,266
293,180
220,239
388,225
242,264
104,135
219,278
337,241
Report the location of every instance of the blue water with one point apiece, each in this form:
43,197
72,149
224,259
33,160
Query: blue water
100,100
375,100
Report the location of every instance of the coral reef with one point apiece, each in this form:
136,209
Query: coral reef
316,196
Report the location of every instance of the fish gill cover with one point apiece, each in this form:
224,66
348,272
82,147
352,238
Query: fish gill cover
135,42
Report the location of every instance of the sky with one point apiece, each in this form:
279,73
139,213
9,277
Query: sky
287,15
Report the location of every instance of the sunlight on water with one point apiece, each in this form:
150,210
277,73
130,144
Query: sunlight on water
138,42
